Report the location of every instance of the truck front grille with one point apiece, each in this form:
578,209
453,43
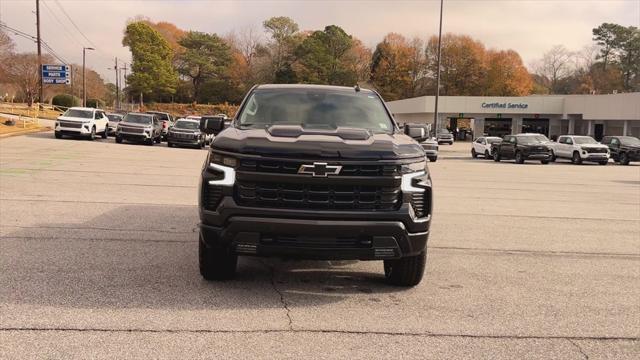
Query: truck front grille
291,167
186,136
132,130
70,124
596,150
317,197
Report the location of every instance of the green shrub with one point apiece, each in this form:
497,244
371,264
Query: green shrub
95,103
65,100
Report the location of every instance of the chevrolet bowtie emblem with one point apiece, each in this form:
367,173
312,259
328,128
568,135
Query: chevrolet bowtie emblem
319,169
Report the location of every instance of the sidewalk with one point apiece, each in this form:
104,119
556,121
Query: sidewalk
32,125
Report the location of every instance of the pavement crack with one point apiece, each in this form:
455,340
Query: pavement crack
283,301
579,348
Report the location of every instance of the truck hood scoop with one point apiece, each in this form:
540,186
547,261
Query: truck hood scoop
297,130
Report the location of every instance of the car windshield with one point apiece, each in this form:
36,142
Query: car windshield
493,140
185,124
316,109
77,113
444,132
161,116
114,118
584,140
629,140
137,119
528,140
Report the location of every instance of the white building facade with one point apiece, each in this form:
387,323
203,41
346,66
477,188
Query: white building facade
552,115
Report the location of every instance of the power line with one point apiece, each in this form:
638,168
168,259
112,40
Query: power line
23,34
73,23
68,32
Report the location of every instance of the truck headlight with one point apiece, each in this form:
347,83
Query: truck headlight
414,167
224,175
224,160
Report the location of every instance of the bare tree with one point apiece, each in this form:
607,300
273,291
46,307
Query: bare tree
23,73
555,65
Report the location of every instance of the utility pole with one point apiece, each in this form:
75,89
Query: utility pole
124,83
117,86
435,113
41,96
84,76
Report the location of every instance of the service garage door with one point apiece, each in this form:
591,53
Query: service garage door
538,126
497,127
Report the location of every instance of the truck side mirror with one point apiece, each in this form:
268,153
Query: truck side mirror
211,125
417,132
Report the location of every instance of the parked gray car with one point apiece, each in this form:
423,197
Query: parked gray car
444,136
139,127
114,119
430,147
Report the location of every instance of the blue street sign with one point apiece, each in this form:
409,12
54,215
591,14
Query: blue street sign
55,74
56,81
65,68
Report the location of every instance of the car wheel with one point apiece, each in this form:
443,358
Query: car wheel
150,141
544,162
158,139
519,158
57,134
118,139
407,271
496,156
169,144
474,154
553,157
486,154
603,162
92,136
216,264
105,134
624,159
576,159
433,158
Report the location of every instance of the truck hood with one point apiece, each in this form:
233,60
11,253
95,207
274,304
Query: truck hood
71,118
342,143
134,125
594,146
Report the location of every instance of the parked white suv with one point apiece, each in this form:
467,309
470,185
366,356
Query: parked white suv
482,146
579,148
85,122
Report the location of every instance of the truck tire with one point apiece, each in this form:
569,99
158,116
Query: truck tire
92,135
474,154
603,162
553,157
486,154
118,139
433,158
104,133
496,155
624,159
57,134
159,139
544,162
407,271
150,142
169,144
216,265
576,159
519,158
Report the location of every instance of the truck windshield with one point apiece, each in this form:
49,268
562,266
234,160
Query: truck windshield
315,109
190,125
137,119
77,113
529,140
114,118
629,140
584,140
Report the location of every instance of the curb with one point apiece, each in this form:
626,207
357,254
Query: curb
29,131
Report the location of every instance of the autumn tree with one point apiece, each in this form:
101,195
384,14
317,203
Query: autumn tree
463,64
152,72
280,50
506,75
390,67
205,58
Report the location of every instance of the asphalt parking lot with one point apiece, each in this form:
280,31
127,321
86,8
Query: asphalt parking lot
98,258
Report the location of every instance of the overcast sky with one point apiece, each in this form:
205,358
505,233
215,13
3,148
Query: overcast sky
529,27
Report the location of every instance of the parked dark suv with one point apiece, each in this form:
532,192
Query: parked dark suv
316,172
624,149
522,147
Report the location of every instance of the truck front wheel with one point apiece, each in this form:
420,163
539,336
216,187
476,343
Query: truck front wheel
407,271
216,264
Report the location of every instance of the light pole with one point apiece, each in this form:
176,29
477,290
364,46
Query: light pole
435,112
84,76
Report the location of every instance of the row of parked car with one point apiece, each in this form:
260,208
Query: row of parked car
151,127
576,148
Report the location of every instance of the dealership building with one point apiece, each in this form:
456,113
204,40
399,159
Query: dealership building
552,115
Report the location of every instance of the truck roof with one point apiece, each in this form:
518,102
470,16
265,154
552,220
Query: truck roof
309,87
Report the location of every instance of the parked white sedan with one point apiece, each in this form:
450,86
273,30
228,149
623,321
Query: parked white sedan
482,146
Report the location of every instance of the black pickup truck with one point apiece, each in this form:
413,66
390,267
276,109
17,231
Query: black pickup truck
315,172
624,149
522,147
